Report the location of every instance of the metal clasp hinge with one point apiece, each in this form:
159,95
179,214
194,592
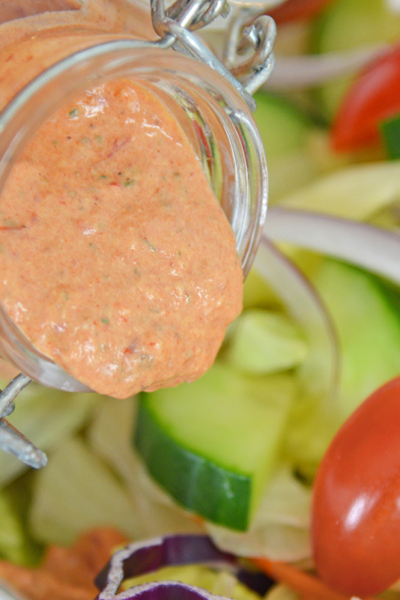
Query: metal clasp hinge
176,24
12,440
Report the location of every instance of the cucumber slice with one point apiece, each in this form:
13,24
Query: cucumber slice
368,327
212,444
346,25
367,320
283,128
285,132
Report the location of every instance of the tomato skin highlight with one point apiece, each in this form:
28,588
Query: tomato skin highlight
297,10
355,518
373,97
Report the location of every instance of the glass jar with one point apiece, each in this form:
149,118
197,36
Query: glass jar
48,58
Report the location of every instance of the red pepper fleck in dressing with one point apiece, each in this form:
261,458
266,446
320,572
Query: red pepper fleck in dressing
117,261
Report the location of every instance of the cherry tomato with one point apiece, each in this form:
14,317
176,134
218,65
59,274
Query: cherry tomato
356,499
297,10
373,97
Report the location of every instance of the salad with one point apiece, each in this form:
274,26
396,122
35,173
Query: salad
264,453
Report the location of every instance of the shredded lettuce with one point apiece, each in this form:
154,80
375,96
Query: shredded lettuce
14,545
280,529
110,437
265,342
220,583
47,417
76,492
356,192
258,294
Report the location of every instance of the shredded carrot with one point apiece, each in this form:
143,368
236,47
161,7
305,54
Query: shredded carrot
199,520
66,573
306,585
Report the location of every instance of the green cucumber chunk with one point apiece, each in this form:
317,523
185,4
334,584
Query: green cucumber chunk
347,25
213,444
390,132
367,321
283,128
368,326
296,148
285,132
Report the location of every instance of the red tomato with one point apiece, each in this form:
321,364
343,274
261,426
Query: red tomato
356,502
373,97
297,10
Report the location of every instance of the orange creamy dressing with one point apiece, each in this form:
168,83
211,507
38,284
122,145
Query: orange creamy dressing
116,259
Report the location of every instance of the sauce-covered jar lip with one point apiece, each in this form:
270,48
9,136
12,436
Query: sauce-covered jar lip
123,58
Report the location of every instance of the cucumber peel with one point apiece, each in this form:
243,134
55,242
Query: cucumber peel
390,133
213,444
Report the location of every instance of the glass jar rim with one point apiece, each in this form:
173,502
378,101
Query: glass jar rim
95,65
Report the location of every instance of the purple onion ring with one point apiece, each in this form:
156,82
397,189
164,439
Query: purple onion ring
147,556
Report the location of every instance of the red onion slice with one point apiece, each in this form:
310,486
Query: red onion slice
144,557
393,5
294,72
366,246
321,369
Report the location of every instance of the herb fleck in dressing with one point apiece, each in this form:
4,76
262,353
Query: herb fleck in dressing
117,261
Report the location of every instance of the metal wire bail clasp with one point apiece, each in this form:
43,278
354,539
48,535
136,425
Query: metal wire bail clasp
11,440
176,23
